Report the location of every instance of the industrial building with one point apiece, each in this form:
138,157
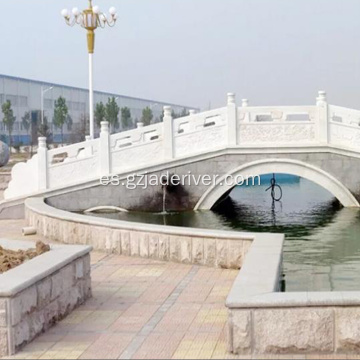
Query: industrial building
27,95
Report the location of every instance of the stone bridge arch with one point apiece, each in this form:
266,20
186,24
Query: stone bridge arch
277,165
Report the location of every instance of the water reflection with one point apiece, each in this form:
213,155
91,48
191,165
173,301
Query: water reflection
322,247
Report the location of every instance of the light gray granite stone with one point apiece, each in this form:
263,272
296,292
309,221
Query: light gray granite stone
4,154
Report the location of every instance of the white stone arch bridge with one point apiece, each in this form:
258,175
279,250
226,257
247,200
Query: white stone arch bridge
319,142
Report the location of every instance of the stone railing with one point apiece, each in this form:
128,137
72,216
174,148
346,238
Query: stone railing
243,127
282,125
344,127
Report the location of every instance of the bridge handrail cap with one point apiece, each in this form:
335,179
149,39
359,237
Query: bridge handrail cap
231,98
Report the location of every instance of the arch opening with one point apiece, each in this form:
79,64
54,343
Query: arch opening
222,188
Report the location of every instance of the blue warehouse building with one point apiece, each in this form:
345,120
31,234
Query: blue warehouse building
25,97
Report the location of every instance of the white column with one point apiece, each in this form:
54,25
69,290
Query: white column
91,96
245,115
42,164
232,119
244,102
192,112
104,158
168,135
88,149
322,118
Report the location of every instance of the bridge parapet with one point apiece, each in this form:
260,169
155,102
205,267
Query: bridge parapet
228,127
282,125
344,127
200,132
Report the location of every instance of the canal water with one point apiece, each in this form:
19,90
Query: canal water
322,247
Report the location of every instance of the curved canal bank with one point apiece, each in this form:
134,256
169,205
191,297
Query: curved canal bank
322,247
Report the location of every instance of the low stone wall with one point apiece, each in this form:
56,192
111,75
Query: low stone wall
296,330
263,320
38,293
225,249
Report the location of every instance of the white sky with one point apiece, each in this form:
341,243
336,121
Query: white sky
194,51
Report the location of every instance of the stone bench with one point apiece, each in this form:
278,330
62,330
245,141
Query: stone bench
40,292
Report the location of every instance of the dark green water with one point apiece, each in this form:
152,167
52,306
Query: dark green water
322,247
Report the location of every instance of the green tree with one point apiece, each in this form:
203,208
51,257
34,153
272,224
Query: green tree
111,113
162,116
26,124
100,113
147,116
80,129
60,115
126,120
184,112
9,118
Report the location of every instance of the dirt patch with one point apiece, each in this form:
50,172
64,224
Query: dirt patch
11,258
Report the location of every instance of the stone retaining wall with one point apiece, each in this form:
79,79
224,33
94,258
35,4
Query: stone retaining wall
296,330
263,320
223,249
41,299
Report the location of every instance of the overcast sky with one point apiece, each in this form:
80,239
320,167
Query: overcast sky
193,52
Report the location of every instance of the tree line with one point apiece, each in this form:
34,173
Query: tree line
103,112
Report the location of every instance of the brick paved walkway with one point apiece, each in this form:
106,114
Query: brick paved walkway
143,309
140,309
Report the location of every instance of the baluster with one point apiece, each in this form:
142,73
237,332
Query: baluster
246,115
88,149
42,163
232,119
104,156
168,134
322,120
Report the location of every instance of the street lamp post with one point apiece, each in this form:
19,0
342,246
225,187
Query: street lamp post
90,19
43,91
116,99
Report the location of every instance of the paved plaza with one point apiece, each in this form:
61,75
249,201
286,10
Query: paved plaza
142,309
